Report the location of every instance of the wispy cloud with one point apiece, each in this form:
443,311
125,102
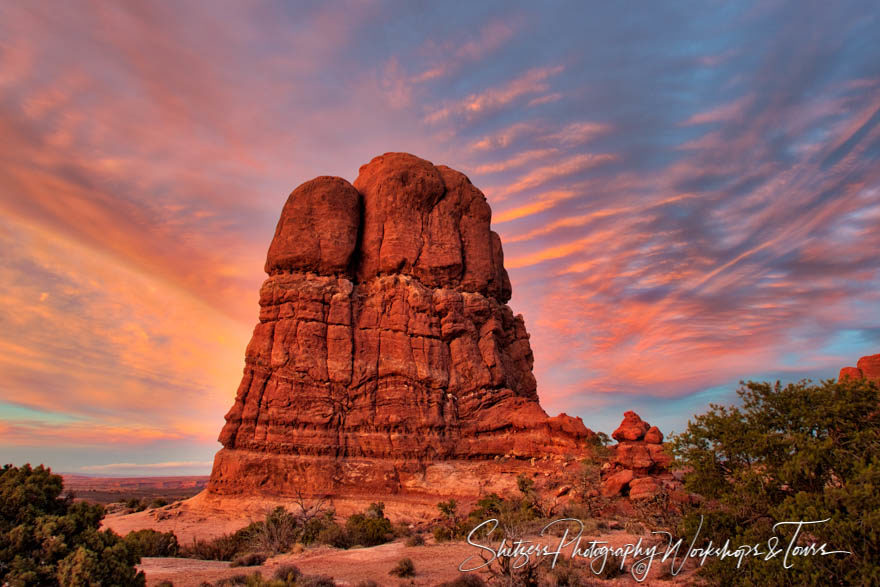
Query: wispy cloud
149,466
684,202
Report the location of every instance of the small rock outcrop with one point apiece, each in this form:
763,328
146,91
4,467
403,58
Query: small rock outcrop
640,465
385,344
867,368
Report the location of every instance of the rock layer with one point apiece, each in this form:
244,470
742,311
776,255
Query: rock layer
385,343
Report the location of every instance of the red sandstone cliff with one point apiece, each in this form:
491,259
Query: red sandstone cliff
385,344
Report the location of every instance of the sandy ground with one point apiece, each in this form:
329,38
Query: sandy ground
434,563
207,516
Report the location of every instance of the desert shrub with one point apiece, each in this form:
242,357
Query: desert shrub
369,528
221,548
251,559
152,543
164,584
565,574
415,540
803,452
334,535
599,440
277,533
282,529
46,539
450,524
135,504
287,572
403,568
158,502
465,580
443,533
611,569
367,583
234,580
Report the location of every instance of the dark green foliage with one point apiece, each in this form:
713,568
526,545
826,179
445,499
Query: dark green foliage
46,539
369,528
135,504
802,452
334,535
599,440
403,568
510,513
415,540
158,502
251,559
153,543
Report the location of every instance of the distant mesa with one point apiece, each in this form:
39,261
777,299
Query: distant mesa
866,368
386,358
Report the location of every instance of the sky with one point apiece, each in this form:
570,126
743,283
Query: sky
688,195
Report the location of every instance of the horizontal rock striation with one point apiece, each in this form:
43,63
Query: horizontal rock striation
385,342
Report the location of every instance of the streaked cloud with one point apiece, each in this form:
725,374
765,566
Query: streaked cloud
115,467
687,196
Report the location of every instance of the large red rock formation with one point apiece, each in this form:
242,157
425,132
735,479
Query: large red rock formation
385,344
867,367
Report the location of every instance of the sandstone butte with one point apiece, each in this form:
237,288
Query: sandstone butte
386,359
867,367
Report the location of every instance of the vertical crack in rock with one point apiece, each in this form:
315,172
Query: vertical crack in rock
384,340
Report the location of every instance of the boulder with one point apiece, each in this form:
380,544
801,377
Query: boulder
643,488
615,483
632,428
654,436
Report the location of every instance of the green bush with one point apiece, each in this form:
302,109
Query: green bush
803,452
135,504
403,568
415,540
334,535
46,539
152,543
369,528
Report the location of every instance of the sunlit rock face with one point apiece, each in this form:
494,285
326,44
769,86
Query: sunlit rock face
867,367
385,343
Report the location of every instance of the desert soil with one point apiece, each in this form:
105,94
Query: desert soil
434,563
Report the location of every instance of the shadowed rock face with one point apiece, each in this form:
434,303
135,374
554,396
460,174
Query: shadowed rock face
384,342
